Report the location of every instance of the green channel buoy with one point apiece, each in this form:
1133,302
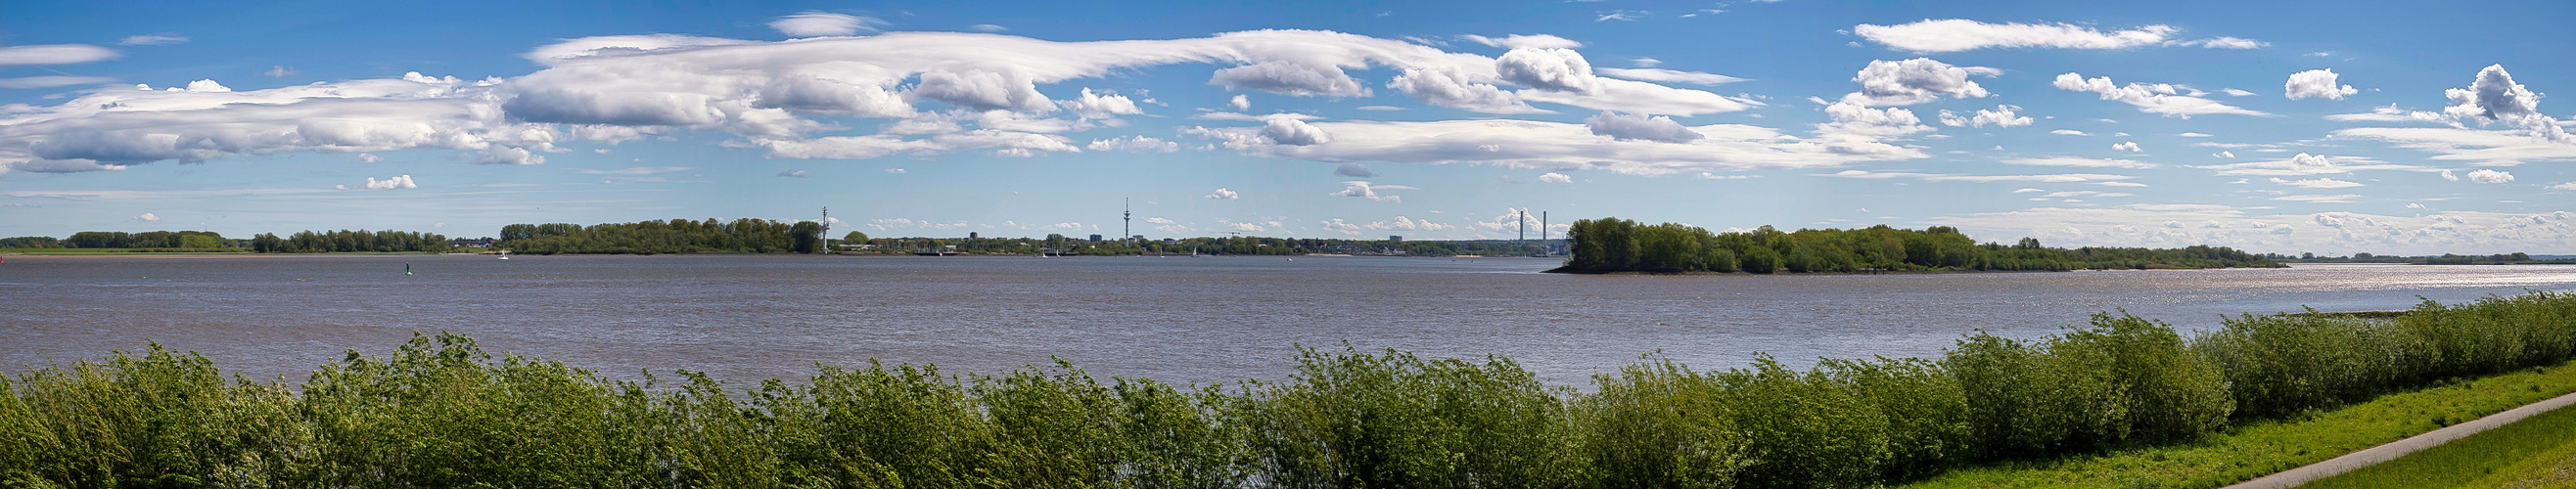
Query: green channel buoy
406,269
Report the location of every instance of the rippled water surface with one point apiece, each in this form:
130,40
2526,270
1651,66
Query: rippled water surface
744,318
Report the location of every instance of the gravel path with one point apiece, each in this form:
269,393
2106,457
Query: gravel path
2399,448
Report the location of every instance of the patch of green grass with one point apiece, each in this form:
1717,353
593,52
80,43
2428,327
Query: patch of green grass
2539,451
2260,448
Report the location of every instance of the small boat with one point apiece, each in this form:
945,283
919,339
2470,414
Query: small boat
505,257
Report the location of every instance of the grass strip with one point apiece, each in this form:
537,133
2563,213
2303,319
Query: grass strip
2263,447
2539,451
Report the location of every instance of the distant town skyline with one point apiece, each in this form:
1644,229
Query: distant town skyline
2324,127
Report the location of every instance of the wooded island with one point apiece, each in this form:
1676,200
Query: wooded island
1611,245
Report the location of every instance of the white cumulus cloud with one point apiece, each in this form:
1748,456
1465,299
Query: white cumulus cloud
1294,132
2490,176
1915,81
2130,146
1553,177
2495,97
2002,116
1365,190
1222,193
1100,105
1861,122
398,182
2315,83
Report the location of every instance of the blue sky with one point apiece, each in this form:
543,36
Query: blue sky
2329,127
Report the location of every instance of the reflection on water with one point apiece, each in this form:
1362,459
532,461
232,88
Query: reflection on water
1174,319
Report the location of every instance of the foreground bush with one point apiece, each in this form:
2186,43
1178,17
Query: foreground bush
440,411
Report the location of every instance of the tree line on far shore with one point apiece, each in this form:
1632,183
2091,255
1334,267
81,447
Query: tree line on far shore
121,239
1620,245
672,236
348,241
341,241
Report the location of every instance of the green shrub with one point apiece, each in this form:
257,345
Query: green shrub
905,426
2167,392
1927,412
1802,430
2279,365
1352,419
1658,424
440,412
2022,400
1182,439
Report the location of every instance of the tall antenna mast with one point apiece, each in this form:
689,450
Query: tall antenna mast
1542,228
827,229
1524,222
1127,220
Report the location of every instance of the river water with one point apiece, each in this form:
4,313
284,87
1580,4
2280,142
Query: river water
1180,319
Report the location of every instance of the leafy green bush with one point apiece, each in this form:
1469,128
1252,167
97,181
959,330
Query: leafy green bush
1802,430
1352,419
1658,424
2279,365
1926,411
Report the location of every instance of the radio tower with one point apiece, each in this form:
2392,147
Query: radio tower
827,229
1127,220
